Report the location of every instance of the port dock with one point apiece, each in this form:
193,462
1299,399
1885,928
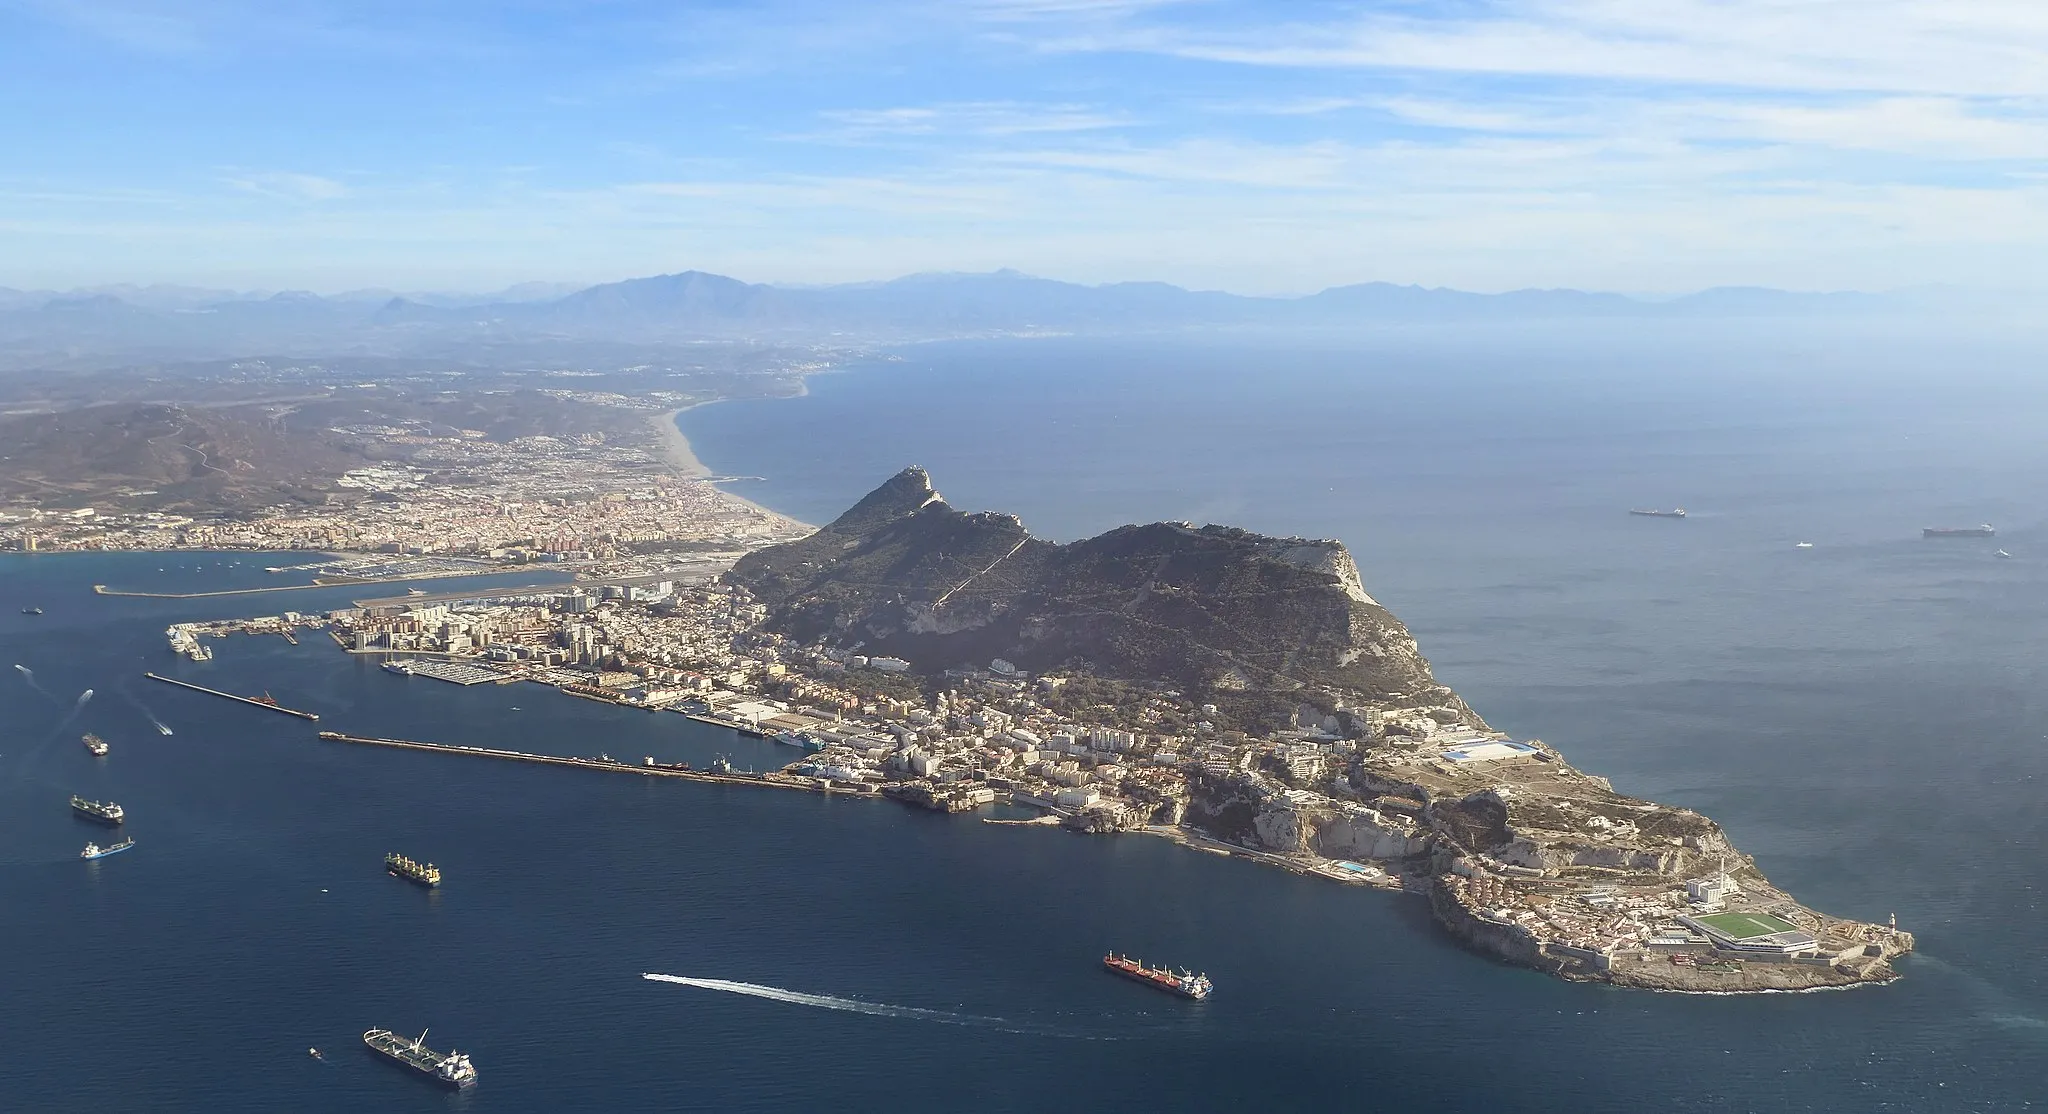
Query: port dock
250,700
602,765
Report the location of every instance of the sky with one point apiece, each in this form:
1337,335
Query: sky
1643,146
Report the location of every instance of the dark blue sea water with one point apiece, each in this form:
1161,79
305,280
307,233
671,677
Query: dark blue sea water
1862,715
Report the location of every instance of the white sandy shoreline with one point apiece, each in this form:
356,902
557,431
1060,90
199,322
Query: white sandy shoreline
675,448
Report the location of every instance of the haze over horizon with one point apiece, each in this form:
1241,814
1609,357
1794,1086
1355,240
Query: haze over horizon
1225,144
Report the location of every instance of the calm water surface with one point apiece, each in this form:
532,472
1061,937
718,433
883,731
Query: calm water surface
1862,715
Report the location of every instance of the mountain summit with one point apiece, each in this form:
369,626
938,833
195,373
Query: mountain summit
1205,608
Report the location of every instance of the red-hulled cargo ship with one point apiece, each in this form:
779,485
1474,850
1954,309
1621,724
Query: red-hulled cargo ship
1173,982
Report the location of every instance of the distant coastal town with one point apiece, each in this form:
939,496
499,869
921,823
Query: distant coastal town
1520,855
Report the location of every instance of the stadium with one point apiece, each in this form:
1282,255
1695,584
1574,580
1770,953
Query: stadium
1756,933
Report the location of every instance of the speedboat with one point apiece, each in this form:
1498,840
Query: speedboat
2003,553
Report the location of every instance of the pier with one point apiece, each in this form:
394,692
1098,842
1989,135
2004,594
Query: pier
602,765
269,705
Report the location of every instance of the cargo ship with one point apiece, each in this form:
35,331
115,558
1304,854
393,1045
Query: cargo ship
95,851
426,874
96,745
1173,982
1982,531
452,1069
106,812
1675,512
31,611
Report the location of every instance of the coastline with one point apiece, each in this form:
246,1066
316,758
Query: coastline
675,448
677,452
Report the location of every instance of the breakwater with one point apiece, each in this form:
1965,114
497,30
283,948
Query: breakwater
265,702
602,765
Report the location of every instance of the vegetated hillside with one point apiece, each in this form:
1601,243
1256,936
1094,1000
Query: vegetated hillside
1207,609
189,458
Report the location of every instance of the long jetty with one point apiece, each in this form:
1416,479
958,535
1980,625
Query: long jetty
249,700
603,765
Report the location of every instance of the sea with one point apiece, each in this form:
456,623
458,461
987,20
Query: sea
1865,715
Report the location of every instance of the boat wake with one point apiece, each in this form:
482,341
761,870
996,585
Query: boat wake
872,1009
29,675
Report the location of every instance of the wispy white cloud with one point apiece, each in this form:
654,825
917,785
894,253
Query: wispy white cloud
298,187
1978,47
977,118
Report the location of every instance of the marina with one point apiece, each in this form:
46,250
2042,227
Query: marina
453,672
264,701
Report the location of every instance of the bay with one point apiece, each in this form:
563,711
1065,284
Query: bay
1862,715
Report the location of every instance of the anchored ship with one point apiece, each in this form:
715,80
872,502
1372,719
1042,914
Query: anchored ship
106,812
426,874
1983,531
96,745
451,1069
1675,512
95,851
1173,982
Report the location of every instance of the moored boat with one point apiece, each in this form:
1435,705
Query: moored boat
95,851
449,1069
106,812
412,870
1183,983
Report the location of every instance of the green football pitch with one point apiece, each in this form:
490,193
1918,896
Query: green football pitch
1746,926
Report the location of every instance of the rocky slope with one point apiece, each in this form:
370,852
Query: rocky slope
1208,607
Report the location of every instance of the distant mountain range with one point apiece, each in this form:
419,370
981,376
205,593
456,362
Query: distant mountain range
167,322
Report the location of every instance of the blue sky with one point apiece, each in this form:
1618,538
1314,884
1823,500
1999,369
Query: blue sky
1638,145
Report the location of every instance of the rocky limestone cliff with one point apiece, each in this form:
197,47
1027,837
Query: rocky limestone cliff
905,574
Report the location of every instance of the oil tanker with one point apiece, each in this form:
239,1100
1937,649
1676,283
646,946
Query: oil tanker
106,812
1159,978
451,1069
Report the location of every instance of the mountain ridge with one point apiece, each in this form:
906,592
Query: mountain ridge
160,321
1207,609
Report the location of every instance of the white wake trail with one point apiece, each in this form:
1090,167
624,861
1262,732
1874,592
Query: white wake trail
827,1001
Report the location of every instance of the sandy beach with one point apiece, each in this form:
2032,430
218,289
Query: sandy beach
675,448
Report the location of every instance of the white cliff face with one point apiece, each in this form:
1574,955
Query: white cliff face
1336,830
1323,556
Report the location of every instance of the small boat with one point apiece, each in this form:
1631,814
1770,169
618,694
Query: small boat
95,851
2004,554
315,1053
1675,512
95,745
450,1070
1803,545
